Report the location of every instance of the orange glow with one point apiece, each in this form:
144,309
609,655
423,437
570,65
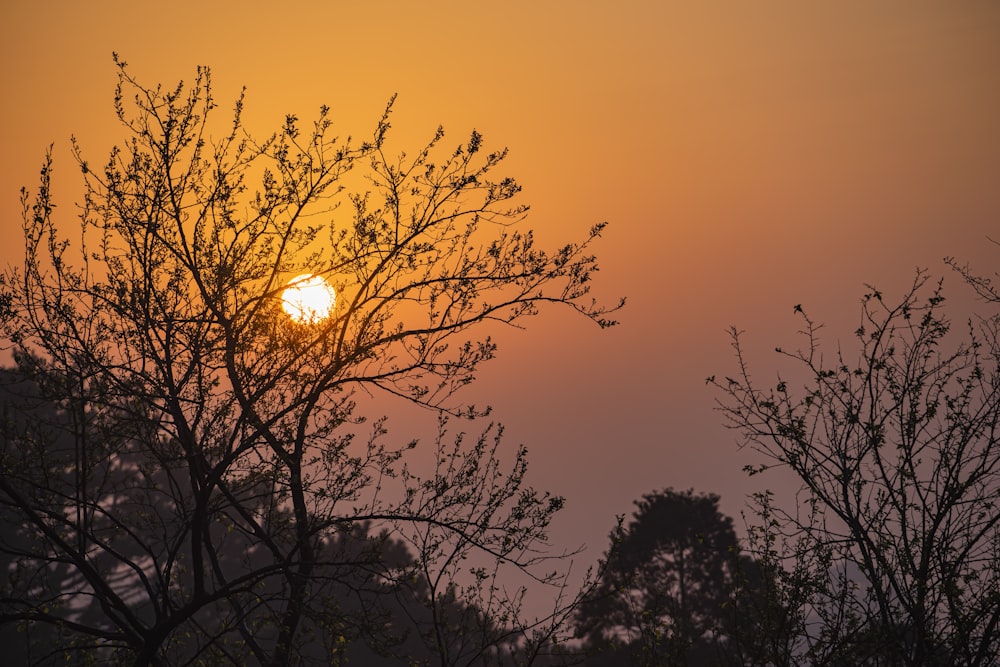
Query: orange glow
748,157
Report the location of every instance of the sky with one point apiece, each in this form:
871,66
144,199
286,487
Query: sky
748,157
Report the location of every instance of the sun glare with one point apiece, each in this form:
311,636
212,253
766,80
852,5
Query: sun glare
308,299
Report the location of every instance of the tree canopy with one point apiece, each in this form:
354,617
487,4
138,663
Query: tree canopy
671,591
198,460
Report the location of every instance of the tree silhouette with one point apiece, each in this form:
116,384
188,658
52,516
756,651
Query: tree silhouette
896,542
668,594
208,456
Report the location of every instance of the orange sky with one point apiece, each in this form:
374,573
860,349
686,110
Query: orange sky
749,156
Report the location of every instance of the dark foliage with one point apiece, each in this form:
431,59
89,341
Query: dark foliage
675,590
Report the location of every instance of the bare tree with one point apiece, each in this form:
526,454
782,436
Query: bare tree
984,286
209,453
897,445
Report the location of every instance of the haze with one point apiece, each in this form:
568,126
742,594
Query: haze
749,156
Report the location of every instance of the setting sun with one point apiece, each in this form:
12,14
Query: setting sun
308,298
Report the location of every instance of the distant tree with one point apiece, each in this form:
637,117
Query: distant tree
209,462
673,588
895,542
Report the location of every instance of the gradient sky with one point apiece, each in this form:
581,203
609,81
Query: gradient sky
749,157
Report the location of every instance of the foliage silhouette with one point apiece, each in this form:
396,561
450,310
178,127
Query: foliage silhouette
213,462
674,589
894,549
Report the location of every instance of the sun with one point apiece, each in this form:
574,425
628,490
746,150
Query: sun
308,298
